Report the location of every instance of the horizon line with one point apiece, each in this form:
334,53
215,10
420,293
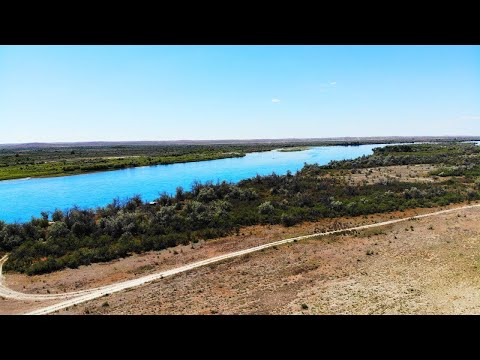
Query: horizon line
236,140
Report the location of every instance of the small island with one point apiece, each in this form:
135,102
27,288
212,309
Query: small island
295,148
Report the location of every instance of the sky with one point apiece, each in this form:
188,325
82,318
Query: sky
134,93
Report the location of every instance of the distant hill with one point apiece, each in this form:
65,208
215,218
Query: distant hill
377,139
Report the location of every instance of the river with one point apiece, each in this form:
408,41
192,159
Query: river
24,198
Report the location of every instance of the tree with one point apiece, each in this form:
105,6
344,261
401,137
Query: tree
179,194
58,230
11,236
57,215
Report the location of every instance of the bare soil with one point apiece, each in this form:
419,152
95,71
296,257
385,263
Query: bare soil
404,173
426,266
13,307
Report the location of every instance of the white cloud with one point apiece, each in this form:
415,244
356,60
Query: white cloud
275,101
325,86
471,117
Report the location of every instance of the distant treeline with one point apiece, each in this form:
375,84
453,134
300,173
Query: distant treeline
450,154
80,237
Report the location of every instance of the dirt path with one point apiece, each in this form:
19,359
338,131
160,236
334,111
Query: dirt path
423,266
8,293
87,295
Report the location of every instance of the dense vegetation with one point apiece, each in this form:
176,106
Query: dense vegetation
39,161
79,236
454,154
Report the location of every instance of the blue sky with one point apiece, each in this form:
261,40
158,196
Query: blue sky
86,93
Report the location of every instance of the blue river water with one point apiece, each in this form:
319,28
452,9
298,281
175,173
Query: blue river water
24,198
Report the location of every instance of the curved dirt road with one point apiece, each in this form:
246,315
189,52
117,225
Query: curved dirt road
12,294
78,297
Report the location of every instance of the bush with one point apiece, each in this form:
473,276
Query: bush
57,215
266,208
58,230
472,194
206,194
179,194
11,236
288,220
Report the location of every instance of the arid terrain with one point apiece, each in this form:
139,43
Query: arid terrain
428,266
239,180
423,266
408,173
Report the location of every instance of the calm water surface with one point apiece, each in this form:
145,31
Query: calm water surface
22,199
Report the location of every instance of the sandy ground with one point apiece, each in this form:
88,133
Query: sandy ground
12,307
404,173
426,266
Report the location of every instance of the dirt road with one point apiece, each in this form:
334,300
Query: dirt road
78,297
12,294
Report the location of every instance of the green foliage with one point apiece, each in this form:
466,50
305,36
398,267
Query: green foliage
288,220
456,154
266,208
470,170
81,237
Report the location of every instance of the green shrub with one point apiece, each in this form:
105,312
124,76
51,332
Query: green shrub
266,208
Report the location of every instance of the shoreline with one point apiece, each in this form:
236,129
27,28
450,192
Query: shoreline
232,155
125,168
